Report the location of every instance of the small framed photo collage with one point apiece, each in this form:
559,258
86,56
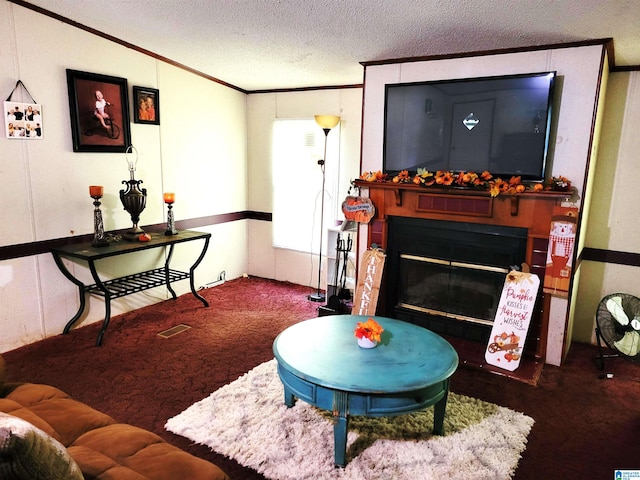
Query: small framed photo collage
23,120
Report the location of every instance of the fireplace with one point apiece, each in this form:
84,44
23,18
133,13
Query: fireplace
448,276
416,226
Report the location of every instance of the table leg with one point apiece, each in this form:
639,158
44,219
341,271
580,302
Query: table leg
289,399
340,427
107,302
192,269
439,410
107,317
83,303
166,273
81,291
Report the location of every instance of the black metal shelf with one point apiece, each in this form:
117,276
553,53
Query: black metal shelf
138,282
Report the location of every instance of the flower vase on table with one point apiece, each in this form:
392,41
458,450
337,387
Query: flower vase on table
368,333
364,342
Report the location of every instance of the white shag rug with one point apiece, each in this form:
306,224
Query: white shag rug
248,421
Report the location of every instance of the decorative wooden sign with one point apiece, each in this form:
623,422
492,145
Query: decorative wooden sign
358,209
365,299
513,317
560,252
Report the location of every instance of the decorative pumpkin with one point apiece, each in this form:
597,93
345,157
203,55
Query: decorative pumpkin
358,209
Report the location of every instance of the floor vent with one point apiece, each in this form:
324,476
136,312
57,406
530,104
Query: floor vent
174,330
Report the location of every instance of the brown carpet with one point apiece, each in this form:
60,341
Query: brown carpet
585,427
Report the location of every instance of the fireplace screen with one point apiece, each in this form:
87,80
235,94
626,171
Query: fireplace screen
458,290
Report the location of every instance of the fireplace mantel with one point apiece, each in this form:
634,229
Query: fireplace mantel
399,189
530,210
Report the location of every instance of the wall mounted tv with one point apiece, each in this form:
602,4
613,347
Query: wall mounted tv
500,124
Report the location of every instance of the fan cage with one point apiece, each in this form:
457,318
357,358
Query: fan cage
609,330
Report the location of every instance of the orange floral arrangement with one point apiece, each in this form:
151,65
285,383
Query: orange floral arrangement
369,329
485,180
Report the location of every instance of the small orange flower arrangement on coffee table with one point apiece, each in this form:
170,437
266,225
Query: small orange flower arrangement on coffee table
368,333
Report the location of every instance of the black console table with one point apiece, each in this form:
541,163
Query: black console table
137,282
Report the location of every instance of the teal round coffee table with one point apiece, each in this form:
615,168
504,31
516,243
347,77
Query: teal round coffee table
320,362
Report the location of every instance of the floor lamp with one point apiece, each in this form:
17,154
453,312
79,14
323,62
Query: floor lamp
326,122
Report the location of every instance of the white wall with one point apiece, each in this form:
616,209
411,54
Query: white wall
613,224
198,152
263,109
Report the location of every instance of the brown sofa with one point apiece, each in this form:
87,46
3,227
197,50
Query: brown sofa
45,434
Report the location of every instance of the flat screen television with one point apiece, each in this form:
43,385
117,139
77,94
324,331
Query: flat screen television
500,124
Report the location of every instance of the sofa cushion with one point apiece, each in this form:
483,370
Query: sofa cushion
125,452
53,411
28,453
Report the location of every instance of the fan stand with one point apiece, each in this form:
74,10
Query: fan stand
601,356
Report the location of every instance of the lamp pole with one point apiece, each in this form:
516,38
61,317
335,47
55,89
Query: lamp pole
319,296
326,122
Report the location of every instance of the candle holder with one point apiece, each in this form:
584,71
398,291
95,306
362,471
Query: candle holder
99,238
169,198
134,198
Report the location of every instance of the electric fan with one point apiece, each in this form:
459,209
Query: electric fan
618,325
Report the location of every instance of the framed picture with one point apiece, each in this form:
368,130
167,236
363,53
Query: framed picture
146,105
99,107
23,120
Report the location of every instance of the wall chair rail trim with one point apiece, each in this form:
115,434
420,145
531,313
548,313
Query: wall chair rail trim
20,250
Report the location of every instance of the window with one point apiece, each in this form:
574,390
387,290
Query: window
297,183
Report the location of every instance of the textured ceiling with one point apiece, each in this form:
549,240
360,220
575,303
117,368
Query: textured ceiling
264,44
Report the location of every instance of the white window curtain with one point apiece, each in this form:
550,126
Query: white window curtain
298,144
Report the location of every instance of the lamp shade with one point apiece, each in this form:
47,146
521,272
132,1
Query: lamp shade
327,121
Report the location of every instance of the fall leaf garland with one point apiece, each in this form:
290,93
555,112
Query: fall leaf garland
485,180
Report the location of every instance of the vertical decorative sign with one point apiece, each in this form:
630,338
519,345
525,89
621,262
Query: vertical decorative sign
560,252
365,299
513,317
